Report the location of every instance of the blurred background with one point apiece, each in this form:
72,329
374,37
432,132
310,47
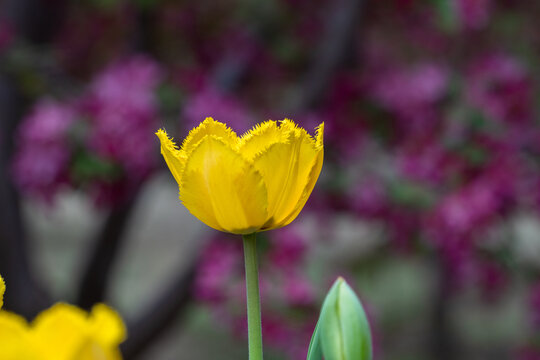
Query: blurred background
428,202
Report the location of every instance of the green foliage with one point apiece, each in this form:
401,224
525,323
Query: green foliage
448,20
88,166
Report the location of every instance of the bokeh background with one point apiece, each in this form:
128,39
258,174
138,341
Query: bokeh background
428,202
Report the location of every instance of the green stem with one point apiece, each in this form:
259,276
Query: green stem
253,300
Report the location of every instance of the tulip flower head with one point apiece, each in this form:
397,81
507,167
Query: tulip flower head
241,185
63,332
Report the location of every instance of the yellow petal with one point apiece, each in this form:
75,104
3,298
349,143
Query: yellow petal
15,340
222,189
11,324
93,351
2,289
288,172
61,330
260,138
319,137
313,176
107,326
209,127
172,155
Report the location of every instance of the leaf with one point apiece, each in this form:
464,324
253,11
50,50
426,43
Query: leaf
343,329
314,350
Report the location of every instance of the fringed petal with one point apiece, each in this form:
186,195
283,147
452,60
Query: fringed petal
209,127
173,157
260,138
287,169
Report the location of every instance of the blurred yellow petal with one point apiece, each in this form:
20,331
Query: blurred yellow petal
2,290
91,350
209,127
15,341
288,172
222,189
11,324
65,332
260,138
107,326
60,330
171,154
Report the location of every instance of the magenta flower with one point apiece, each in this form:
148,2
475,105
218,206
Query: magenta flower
110,151
224,107
473,14
411,93
500,87
41,162
122,111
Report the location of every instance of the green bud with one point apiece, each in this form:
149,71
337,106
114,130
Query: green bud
342,332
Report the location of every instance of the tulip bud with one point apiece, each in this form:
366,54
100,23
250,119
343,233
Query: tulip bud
342,332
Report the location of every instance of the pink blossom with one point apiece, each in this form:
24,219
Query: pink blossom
369,198
499,86
40,165
399,89
473,14
210,102
7,35
121,108
288,248
221,262
528,353
411,93
492,278
426,161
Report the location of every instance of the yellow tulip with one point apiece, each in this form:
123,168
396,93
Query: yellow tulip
63,332
241,185
2,289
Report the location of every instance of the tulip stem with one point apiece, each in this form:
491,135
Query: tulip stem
253,297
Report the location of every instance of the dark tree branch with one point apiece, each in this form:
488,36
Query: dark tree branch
335,47
95,278
24,295
35,22
160,315
142,40
442,342
108,243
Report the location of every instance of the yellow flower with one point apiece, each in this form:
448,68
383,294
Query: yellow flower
63,332
256,182
2,289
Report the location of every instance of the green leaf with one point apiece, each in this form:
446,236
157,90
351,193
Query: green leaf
314,350
448,18
343,329
87,166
